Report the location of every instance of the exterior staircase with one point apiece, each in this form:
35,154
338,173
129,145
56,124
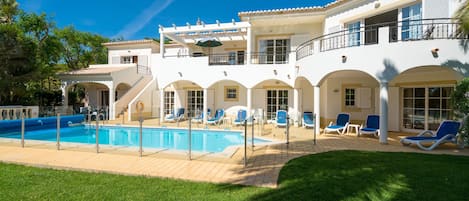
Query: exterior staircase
121,105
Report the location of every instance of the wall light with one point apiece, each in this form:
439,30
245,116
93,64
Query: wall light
344,58
435,52
225,73
377,4
275,72
180,74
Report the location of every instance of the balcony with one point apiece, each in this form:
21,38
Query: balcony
409,30
240,58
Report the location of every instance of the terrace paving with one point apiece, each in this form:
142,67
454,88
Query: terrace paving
263,166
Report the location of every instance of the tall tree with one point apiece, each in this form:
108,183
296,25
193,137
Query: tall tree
80,49
8,10
463,15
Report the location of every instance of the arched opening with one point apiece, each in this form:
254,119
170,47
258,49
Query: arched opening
348,91
272,95
121,89
422,97
182,94
229,95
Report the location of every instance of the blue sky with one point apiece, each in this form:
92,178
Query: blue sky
140,18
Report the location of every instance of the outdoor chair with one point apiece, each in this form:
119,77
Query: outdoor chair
308,120
240,117
281,119
371,126
217,118
447,132
175,117
343,119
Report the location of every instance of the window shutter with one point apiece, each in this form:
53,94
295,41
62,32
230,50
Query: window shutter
142,60
116,60
363,96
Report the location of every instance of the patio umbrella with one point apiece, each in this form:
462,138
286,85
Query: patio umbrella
209,43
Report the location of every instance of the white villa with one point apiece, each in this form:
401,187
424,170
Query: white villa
397,58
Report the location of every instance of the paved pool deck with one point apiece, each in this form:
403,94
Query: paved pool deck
263,165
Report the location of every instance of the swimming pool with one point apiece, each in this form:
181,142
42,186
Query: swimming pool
162,138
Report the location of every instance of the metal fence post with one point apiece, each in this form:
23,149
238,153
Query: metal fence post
190,135
58,131
288,129
245,141
252,133
97,134
22,130
140,138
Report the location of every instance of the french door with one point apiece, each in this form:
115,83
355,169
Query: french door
424,108
276,100
195,101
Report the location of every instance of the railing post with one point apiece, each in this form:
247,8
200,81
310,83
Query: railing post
140,140
58,131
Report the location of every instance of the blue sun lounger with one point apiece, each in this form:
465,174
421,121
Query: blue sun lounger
447,132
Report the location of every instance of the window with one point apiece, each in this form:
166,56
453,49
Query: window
274,51
129,59
411,22
350,96
426,107
231,93
276,100
354,34
168,102
195,101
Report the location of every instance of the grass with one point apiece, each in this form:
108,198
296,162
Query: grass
338,175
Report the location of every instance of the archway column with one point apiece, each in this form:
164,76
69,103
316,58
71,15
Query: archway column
383,113
161,105
317,106
205,108
64,87
112,100
249,101
296,106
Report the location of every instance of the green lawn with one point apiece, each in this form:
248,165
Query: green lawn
339,175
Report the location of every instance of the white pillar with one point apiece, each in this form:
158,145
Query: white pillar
204,112
161,43
249,45
161,105
383,113
296,105
64,94
316,98
112,107
249,101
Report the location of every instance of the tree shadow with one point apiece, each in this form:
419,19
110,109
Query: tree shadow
458,66
390,71
361,175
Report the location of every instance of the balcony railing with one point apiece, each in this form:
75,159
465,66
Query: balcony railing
143,70
409,30
241,58
269,58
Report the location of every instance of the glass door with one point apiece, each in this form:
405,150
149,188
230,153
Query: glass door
354,34
276,100
195,101
424,108
168,102
411,22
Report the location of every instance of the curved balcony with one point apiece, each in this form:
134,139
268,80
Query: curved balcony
406,31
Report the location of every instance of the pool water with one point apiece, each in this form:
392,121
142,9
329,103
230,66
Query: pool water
165,138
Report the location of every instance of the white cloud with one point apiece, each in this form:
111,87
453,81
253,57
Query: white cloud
143,19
